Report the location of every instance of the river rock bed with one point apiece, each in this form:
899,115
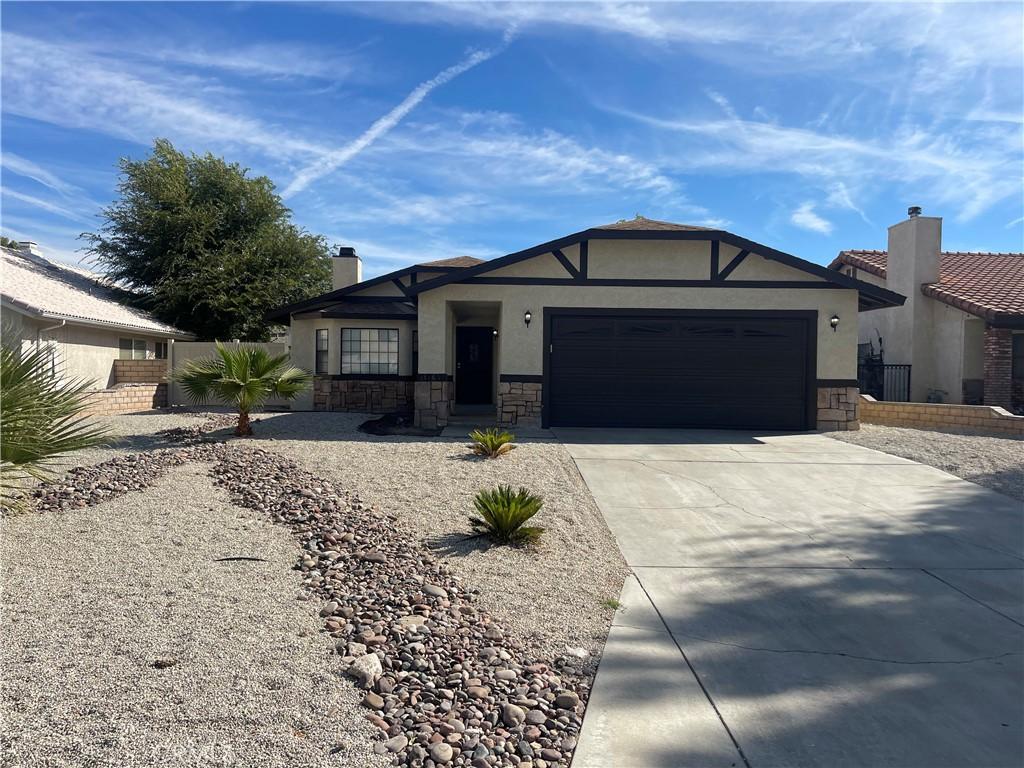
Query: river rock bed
443,681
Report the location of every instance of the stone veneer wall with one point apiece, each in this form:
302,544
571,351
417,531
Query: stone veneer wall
519,402
140,371
838,409
363,395
127,398
954,418
433,403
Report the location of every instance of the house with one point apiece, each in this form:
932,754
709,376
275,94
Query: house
92,335
637,323
961,329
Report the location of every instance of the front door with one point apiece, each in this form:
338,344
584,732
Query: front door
474,355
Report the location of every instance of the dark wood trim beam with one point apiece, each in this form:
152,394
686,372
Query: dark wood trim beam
838,383
527,378
584,258
433,377
645,283
714,259
564,261
402,287
731,266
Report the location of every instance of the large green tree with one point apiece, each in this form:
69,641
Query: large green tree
206,247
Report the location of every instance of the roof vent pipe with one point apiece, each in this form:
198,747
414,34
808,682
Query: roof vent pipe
914,211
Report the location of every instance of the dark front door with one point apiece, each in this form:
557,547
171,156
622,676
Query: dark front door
683,369
474,369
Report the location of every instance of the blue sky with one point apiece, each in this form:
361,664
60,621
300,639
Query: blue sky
416,132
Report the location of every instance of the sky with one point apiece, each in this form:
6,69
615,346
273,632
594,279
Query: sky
422,131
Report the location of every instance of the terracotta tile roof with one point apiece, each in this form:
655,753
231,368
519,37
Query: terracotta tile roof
43,287
989,285
640,222
456,261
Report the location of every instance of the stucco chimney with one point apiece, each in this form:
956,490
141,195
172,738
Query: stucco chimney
30,247
346,268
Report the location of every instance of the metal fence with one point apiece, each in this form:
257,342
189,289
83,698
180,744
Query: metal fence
884,381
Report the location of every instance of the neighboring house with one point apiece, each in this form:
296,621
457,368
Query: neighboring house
76,315
961,329
638,323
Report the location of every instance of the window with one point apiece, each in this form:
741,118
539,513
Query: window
160,348
369,350
321,351
132,349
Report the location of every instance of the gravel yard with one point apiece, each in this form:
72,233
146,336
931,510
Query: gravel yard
555,594
96,599
995,462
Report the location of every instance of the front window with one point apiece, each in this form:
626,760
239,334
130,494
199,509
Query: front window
132,349
321,351
160,350
369,350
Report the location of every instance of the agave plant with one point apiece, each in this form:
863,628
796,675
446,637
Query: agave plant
243,377
502,513
41,417
491,442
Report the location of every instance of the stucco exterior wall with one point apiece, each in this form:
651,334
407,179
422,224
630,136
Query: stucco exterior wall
522,351
303,349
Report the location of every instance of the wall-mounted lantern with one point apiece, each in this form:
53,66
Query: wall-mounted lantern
527,317
834,322
495,331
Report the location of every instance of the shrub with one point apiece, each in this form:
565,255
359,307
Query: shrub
42,416
491,442
503,512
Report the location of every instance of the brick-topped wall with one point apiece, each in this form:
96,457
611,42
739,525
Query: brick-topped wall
127,398
954,418
362,395
838,409
519,402
140,371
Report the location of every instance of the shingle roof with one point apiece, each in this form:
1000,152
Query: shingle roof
989,285
392,309
456,261
643,223
45,288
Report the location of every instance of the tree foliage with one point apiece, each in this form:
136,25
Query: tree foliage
206,247
242,376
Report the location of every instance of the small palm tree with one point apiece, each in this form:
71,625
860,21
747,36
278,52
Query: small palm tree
503,513
41,417
492,442
242,377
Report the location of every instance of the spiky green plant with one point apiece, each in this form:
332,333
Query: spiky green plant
42,416
491,442
243,377
502,513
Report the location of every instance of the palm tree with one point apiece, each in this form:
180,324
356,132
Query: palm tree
41,417
242,377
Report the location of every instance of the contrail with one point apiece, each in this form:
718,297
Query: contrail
336,159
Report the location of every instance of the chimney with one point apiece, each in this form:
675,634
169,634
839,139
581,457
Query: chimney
346,268
914,247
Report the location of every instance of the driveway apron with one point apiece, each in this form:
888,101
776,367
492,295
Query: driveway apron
799,601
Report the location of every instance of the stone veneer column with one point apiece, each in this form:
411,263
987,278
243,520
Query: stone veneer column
998,366
519,402
433,403
838,408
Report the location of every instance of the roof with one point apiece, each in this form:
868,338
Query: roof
456,261
390,310
870,296
642,223
989,285
41,287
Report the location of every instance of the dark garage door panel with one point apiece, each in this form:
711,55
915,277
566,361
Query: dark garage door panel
679,371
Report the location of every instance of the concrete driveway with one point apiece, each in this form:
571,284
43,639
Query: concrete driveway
798,601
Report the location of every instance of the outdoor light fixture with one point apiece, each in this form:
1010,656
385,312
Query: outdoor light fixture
527,317
834,322
495,331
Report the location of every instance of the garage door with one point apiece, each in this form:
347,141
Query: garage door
679,370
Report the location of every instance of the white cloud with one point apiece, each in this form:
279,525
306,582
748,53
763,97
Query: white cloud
805,218
338,158
46,205
30,170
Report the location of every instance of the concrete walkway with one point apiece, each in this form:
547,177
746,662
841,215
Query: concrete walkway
799,601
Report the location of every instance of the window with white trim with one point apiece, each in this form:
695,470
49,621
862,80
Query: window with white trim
132,349
369,351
